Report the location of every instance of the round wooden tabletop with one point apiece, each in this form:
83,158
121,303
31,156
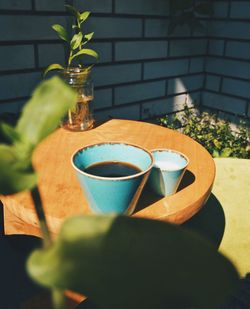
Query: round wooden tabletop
61,193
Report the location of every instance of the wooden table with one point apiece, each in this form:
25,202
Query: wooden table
63,197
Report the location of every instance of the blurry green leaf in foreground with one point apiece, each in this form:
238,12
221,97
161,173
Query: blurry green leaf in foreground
123,262
42,114
16,174
9,132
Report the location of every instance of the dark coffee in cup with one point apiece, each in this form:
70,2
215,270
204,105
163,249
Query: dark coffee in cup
112,169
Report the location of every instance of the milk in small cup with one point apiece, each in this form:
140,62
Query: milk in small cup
167,172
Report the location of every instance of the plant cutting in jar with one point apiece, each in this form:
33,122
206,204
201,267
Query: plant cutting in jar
76,42
74,73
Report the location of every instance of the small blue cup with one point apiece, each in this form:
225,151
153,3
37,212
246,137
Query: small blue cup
167,172
113,194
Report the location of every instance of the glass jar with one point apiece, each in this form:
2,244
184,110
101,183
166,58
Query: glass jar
80,118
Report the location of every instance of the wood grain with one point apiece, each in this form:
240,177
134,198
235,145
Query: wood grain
63,197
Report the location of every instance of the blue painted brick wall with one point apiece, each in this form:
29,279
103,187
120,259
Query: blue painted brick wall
15,5
142,72
139,63
140,50
228,60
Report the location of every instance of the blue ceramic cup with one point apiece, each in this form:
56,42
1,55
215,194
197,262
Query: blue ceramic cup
112,175
167,172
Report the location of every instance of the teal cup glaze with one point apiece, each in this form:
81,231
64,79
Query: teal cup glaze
167,172
112,194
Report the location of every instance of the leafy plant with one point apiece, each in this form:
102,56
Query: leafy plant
76,42
40,117
186,12
214,134
114,260
118,261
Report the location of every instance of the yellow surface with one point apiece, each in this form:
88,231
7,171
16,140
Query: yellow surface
232,189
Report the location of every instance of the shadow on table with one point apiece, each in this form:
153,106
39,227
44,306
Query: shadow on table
15,285
209,222
187,180
148,197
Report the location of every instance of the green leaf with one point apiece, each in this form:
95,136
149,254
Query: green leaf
16,175
76,41
61,32
216,154
75,27
88,36
10,133
205,8
85,51
84,16
71,9
43,112
116,261
54,66
226,152
217,143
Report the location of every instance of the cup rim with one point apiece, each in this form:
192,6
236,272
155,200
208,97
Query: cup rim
174,151
113,178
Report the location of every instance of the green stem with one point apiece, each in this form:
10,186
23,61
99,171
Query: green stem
58,299
41,217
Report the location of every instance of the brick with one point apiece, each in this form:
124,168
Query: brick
114,27
213,82
229,29
166,68
48,5
155,108
18,85
224,102
116,74
14,57
216,47
228,67
167,105
185,84
187,47
196,65
238,50
159,28
220,8
127,112
29,27
139,92
142,7
104,50
12,107
102,98
240,9
39,27
15,5
50,53
96,6
236,87
140,50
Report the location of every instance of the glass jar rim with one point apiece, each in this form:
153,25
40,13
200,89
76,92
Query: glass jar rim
76,71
